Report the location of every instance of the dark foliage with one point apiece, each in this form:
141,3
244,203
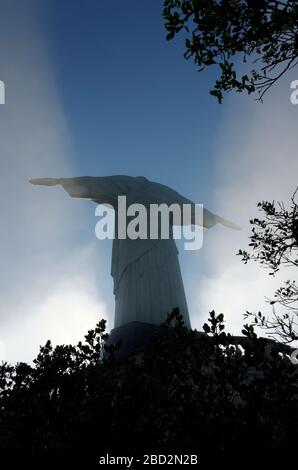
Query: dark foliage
274,243
186,392
220,32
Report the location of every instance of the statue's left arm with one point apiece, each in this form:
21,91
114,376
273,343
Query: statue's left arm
193,212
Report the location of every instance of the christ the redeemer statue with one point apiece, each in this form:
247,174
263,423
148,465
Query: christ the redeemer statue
146,272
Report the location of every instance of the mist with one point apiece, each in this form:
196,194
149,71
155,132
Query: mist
47,282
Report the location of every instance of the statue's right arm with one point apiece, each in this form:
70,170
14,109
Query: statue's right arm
46,181
97,188
81,186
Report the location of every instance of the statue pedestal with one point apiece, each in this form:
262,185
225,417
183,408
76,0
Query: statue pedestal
134,336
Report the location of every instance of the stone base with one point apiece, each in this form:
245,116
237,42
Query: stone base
134,336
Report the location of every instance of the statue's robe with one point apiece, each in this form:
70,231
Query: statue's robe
146,273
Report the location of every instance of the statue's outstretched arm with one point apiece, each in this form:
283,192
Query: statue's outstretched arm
46,181
206,219
98,189
210,219
193,212
81,187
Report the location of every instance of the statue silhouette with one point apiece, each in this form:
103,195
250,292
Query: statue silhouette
147,278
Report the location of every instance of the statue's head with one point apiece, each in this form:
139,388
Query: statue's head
142,178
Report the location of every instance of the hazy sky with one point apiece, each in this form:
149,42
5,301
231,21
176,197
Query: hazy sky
93,88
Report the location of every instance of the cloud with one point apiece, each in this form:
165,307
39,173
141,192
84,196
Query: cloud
256,159
66,308
46,279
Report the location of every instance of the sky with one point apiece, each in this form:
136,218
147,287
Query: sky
94,88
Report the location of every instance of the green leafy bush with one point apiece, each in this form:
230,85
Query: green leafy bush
186,392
